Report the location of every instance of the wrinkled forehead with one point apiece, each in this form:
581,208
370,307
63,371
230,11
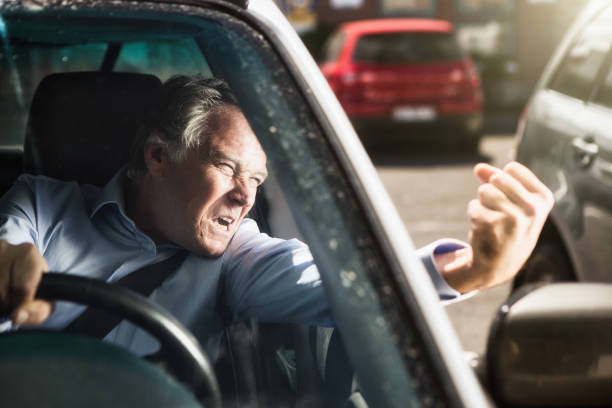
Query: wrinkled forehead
232,136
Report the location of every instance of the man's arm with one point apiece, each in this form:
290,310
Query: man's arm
507,218
273,280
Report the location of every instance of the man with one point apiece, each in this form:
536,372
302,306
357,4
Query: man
190,182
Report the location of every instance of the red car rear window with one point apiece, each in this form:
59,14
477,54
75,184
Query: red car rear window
407,47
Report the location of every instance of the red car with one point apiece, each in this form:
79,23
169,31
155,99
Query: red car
395,75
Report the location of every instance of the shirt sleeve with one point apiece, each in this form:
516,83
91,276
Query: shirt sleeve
273,280
446,293
18,214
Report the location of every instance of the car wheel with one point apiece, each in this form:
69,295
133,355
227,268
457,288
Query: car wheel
548,263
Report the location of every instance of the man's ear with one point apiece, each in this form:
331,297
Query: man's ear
156,158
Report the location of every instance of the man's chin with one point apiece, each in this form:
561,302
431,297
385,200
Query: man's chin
213,250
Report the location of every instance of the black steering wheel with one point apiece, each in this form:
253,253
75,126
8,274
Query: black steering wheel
179,353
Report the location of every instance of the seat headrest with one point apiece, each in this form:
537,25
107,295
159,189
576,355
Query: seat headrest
82,124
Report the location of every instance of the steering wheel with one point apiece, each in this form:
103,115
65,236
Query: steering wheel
179,353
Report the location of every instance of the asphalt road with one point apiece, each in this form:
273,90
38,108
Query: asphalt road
431,189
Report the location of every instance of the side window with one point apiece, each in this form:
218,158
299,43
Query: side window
604,93
22,66
582,62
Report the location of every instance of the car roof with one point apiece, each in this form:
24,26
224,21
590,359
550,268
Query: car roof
397,24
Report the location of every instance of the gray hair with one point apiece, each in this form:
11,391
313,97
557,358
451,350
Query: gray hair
180,118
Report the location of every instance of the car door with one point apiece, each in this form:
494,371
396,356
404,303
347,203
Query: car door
561,143
586,156
593,163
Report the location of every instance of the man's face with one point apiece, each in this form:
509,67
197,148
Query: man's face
207,195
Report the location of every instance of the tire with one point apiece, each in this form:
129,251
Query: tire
547,264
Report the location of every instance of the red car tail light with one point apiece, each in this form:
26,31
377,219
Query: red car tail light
456,75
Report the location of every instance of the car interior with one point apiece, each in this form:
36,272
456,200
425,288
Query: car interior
274,362
80,128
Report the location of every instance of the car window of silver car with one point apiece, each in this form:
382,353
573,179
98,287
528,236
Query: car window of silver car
604,93
578,70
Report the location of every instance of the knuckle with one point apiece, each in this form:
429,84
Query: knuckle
543,204
29,286
39,314
511,166
27,249
488,222
483,190
549,198
472,208
498,179
531,208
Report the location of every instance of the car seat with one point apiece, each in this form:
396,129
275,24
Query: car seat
82,124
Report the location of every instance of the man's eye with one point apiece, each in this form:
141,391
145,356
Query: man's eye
254,182
226,169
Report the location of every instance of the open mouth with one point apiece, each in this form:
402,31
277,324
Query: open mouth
224,222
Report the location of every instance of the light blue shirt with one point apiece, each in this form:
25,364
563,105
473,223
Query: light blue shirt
84,230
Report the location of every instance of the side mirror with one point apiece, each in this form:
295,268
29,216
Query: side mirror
552,346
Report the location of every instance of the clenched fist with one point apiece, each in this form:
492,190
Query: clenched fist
507,217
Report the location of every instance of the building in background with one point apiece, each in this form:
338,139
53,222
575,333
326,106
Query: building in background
510,40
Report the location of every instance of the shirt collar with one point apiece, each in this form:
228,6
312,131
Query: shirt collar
113,193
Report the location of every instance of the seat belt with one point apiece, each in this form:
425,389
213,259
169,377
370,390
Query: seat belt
97,323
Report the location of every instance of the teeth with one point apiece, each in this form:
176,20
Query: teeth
225,221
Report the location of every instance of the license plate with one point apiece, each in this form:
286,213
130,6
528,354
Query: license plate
414,114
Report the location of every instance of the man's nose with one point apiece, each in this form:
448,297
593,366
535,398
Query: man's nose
243,192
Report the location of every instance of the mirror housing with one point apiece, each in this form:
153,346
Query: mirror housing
552,346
